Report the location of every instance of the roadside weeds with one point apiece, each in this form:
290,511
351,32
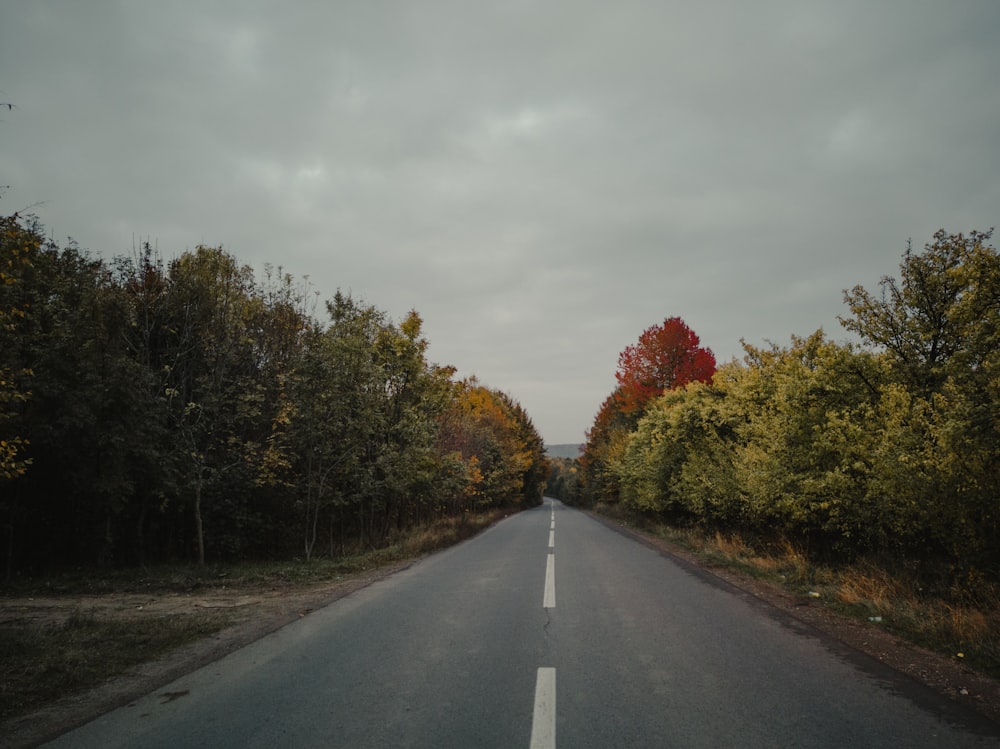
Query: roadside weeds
863,607
77,645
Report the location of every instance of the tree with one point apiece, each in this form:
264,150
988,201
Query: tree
334,416
213,394
141,282
605,446
666,356
941,318
331,423
684,428
805,436
530,449
939,326
563,481
180,408
414,394
18,245
490,435
71,342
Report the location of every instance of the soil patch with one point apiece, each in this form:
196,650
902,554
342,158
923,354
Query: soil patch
250,612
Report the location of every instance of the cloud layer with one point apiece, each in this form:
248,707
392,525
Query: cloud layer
540,180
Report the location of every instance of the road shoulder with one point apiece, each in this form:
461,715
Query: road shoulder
945,676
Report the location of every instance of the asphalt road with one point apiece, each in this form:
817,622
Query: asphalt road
550,629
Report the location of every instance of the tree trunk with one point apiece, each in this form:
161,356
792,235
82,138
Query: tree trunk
312,520
140,530
10,549
199,530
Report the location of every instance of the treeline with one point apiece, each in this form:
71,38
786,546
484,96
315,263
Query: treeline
188,410
890,448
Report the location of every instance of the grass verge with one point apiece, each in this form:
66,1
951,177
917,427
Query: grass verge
77,650
44,663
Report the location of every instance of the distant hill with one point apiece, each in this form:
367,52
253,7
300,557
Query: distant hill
563,451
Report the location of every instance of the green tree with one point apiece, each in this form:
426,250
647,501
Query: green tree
213,392
938,328
607,440
142,289
564,480
80,386
941,318
334,415
415,394
803,459
678,462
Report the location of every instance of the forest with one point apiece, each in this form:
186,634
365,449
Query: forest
190,410
887,446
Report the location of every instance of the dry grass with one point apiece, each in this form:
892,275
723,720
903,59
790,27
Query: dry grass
950,624
873,591
443,533
44,661
962,621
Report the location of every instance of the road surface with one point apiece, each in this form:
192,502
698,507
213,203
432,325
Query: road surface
549,629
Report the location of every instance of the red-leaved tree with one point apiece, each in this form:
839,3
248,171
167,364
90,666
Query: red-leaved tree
667,356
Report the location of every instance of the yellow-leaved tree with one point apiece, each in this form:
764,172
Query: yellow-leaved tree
17,246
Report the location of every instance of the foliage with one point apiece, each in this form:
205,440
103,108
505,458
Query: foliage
892,447
188,410
666,356
941,319
663,466
938,456
496,457
605,445
18,245
564,480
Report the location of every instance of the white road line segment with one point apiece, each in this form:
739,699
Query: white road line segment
543,723
549,599
552,539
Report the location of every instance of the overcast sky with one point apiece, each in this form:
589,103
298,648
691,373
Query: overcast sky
540,180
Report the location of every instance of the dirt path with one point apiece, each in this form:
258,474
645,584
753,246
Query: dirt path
252,613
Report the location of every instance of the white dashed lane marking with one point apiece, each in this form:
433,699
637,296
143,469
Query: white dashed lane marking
543,724
549,599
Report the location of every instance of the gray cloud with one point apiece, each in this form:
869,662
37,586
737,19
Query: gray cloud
540,180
